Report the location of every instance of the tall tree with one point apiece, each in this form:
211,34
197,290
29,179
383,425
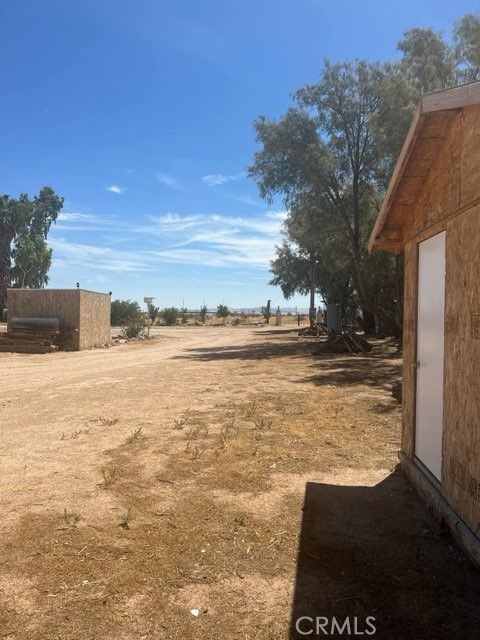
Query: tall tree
302,227
27,221
427,59
291,269
466,40
311,230
343,104
31,261
398,98
327,151
338,144
292,158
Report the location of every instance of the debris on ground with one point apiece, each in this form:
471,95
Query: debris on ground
31,335
314,330
123,339
344,342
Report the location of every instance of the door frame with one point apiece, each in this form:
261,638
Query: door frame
419,238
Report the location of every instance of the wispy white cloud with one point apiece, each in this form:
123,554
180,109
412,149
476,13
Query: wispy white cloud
114,188
97,258
169,223
269,223
72,216
251,202
216,179
75,221
211,240
215,239
168,181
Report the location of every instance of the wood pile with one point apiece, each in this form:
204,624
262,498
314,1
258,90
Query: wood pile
316,330
31,335
344,342
66,339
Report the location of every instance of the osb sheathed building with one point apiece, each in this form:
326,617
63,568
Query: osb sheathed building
431,212
84,315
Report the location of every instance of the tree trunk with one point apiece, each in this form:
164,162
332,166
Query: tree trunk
368,322
312,312
388,321
386,318
6,238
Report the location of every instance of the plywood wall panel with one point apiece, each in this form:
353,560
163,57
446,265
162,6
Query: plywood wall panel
461,441
440,195
94,319
63,304
470,155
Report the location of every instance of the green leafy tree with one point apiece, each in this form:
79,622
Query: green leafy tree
170,316
398,98
323,158
124,312
27,221
427,59
31,262
223,311
153,312
203,314
292,272
466,40
308,227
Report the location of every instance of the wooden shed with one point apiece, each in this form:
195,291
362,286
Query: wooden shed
431,212
84,315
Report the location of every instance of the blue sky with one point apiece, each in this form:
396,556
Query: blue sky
140,114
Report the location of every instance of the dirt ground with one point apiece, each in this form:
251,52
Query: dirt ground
215,483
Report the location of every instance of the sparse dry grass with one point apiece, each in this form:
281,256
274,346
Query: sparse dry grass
208,514
109,477
137,433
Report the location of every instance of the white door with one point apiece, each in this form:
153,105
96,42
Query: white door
430,341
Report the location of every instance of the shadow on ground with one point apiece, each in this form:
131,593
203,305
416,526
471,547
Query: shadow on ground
278,332
381,368
378,369
376,551
255,351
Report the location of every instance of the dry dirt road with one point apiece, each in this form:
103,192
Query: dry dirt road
215,483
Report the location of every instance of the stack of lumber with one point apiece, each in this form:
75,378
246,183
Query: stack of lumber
31,335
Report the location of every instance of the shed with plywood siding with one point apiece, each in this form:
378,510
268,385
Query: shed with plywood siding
431,212
85,315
